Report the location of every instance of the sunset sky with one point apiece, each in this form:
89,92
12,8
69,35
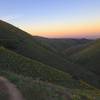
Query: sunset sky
54,18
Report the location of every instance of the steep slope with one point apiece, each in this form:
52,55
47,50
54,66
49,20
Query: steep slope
29,89
75,49
43,90
24,44
29,75
10,61
89,57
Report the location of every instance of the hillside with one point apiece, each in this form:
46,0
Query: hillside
89,57
39,81
60,44
32,89
24,44
13,62
75,49
42,90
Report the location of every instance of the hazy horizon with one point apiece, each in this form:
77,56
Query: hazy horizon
54,18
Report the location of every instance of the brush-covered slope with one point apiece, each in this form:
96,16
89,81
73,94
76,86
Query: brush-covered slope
33,89
10,61
39,90
89,57
24,44
36,80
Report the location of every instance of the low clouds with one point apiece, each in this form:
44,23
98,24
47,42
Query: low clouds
10,17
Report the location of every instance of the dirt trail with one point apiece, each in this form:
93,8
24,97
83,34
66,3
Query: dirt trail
11,89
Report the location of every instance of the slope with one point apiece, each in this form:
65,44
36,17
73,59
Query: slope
29,75
10,61
89,57
60,44
30,89
38,90
75,49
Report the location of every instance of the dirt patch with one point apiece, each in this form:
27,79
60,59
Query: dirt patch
10,89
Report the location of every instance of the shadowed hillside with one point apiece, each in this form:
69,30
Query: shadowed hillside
60,44
42,90
24,44
13,62
89,57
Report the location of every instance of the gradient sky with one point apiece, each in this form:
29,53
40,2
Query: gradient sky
54,18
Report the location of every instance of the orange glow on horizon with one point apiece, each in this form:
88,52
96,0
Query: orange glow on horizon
65,29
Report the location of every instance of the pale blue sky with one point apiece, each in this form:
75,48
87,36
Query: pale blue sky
49,12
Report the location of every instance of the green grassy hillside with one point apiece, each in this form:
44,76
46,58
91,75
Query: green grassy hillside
39,90
75,49
36,80
89,57
36,89
13,62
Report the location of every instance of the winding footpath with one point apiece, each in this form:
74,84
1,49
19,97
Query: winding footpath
11,89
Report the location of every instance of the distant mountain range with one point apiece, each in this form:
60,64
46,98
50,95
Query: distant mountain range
50,69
